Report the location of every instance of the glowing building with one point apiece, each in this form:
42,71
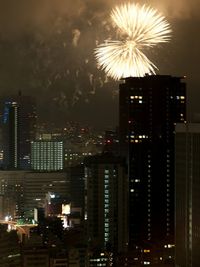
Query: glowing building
47,155
149,109
106,203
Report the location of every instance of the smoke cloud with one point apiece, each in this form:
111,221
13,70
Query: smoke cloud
46,47
17,17
179,9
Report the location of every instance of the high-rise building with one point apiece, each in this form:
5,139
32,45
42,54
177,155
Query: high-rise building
187,223
149,109
19,125
47,155
106,212
11,135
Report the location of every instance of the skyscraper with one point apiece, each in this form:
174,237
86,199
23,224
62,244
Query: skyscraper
19,126
11,135
187,195
106,207
149,109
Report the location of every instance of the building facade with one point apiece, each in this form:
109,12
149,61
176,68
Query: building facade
47,155
187,195
149,109
19,129
106,206
11,135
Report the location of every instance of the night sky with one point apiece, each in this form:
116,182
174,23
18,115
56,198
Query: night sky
46,50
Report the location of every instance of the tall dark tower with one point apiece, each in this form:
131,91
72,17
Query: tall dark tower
19,126
149,109
11,135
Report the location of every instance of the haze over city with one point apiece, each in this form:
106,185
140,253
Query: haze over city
47,51
99,133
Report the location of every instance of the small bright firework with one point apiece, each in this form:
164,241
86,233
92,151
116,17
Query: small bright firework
138,27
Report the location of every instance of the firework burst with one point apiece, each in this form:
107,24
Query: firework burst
138,27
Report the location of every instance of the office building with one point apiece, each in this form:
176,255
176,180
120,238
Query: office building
106,208
187,195
11,135
27,190
47,155
149,108
19,125
12,193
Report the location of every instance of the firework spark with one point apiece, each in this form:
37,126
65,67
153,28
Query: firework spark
138,27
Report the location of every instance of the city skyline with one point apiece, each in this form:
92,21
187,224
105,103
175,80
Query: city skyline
50,55
96,172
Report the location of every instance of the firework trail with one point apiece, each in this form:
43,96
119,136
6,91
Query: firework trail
138,27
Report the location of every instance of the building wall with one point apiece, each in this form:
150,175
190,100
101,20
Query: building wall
19,126
47,155
106,203
11,135
187,195
149,108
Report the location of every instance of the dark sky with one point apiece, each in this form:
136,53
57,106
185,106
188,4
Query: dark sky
46,50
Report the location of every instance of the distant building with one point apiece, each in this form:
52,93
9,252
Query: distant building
47,155
11,135
149,108
111,143
19,129
106,208
187,195
28,189
12,193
